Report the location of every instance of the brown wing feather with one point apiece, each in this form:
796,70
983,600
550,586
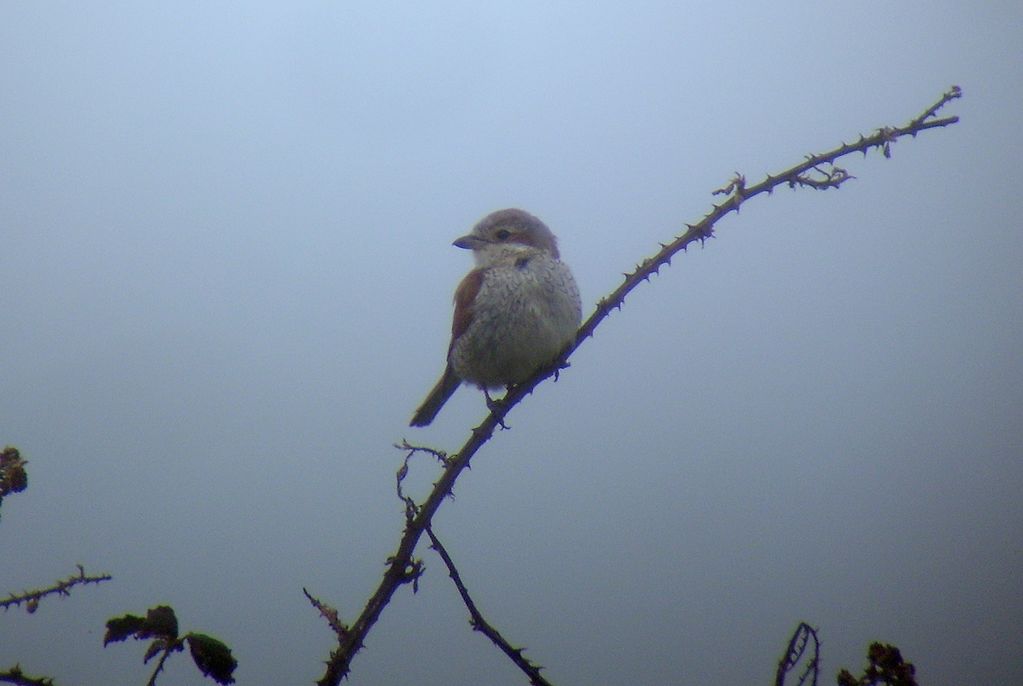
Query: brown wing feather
465,296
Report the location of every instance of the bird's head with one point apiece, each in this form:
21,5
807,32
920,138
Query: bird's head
507,232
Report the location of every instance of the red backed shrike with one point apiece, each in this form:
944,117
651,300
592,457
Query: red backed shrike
515,312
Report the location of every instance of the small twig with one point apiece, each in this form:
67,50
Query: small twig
164,654
329,613
482,625
62,587
951,94
411,507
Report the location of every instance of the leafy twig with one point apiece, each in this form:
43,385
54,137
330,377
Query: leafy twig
211,656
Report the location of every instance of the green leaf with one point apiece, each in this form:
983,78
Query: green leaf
212,657
120,628
161,623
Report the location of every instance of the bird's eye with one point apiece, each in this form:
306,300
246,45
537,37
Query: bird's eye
503,234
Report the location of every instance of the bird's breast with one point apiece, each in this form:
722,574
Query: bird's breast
524,313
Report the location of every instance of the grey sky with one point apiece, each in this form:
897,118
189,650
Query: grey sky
225,245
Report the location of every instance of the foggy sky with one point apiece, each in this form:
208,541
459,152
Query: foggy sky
227,273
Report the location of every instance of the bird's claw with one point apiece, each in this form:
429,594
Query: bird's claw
496,408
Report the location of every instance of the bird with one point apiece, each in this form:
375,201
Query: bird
515,312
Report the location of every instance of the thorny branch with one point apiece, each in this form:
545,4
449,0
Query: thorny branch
14,675
816,171
482,625
62,587
803,638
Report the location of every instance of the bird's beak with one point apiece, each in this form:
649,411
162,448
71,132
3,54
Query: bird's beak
469,242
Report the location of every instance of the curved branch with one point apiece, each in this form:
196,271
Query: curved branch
804,639
816,171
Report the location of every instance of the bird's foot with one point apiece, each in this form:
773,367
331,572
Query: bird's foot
496,408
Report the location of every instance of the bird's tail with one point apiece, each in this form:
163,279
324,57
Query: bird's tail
438,396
